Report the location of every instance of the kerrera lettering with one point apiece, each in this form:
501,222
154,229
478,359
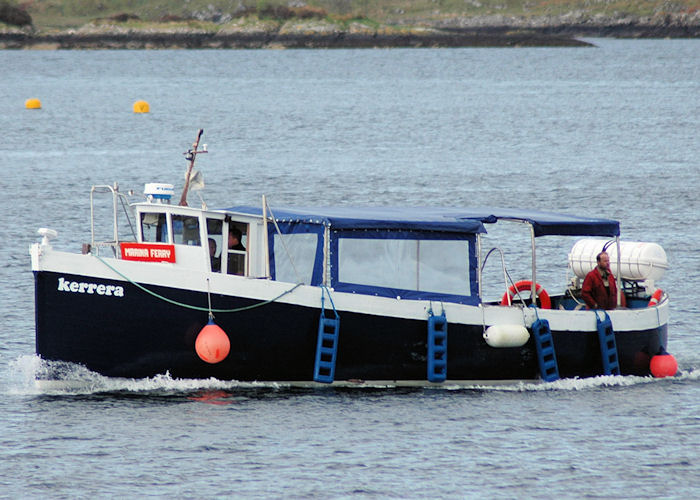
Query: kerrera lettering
90,288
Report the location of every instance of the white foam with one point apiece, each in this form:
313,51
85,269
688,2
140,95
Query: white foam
32,375
29,374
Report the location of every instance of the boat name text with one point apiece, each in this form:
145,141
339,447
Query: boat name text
81,287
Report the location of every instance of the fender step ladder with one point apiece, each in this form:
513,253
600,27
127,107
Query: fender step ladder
437,347
546,355
608,346
326,345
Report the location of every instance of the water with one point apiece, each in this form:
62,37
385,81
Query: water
609,131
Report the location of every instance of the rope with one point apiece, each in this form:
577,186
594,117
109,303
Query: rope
325,288
442,308
197,308
284,244
126,213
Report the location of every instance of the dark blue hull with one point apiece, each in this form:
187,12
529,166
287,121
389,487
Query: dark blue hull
138,335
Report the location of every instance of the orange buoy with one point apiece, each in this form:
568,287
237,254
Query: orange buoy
32,103
655,297
212,344
663,364
141,107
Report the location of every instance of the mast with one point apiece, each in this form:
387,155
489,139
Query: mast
190,155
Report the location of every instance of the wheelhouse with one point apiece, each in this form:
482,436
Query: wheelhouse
200,238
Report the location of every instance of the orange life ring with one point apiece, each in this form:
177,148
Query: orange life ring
524,286
655,297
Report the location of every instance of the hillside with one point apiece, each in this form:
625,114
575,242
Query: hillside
336,23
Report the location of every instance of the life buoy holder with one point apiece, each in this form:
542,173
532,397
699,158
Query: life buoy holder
655,297
524,286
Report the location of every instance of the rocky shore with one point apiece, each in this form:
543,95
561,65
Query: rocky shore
580,24
487,31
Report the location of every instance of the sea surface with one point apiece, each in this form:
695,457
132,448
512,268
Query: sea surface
610,131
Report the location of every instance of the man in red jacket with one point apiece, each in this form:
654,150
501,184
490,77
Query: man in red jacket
599,289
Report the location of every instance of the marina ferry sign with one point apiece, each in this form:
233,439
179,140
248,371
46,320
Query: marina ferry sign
148,252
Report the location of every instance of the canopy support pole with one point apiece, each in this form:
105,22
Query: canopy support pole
266,238
533,289
326,257
619,272
478,262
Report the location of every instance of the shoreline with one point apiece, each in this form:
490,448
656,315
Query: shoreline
271,40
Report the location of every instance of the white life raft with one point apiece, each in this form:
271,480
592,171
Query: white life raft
639,261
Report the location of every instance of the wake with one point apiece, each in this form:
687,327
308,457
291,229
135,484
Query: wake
31,375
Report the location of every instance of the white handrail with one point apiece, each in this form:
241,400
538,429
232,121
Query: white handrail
116,195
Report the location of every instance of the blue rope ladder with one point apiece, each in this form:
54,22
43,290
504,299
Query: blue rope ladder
608,346
437,346
546,354
327,343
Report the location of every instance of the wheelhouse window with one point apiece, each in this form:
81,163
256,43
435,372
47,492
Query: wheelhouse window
186,230
296,253
154,227
237,248
405,263
215,241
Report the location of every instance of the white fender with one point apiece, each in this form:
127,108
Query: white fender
506,335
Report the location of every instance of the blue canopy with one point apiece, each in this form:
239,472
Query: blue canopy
397,218
548,223
462,220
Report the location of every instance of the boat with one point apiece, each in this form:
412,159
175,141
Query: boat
345,296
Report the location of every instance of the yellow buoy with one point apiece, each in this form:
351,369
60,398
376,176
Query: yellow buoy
32,103
141,107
